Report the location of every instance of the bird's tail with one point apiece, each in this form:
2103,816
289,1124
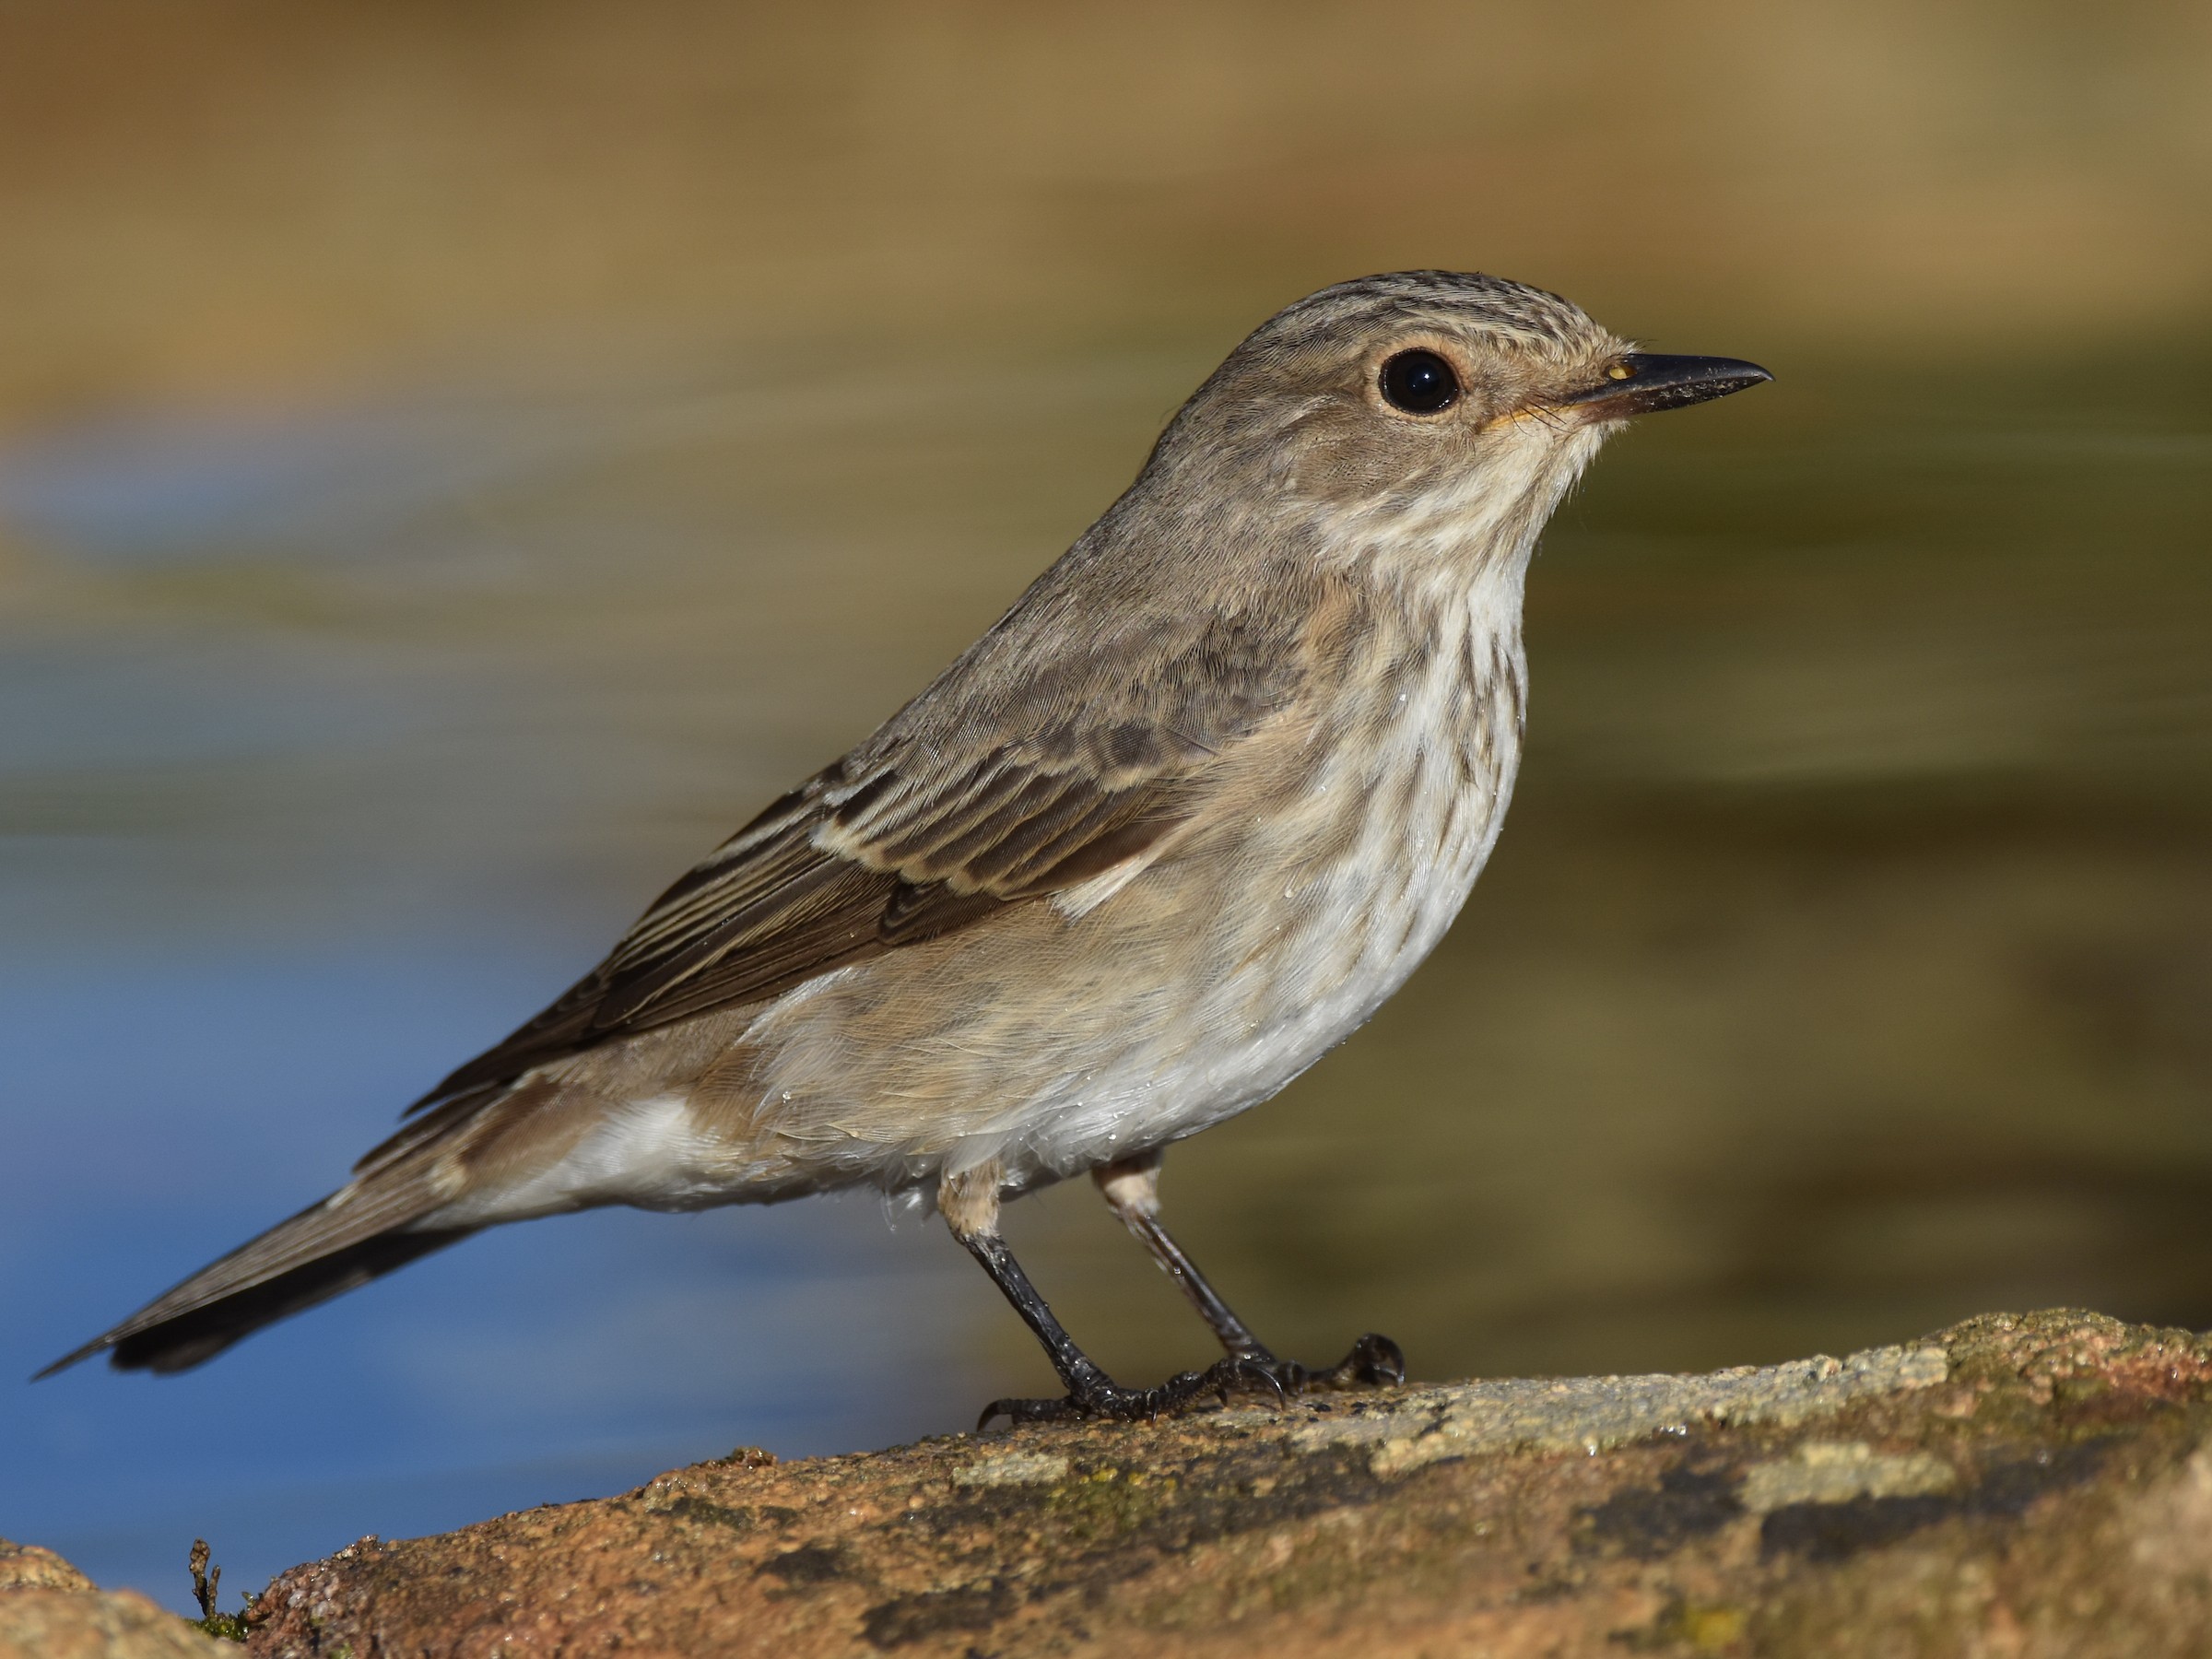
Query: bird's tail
359,1232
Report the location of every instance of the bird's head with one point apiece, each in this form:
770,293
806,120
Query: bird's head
1425,411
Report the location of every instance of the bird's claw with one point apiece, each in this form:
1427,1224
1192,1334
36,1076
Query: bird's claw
1375,1361
1109,1400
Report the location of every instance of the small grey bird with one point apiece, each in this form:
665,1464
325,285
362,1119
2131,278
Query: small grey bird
1172,828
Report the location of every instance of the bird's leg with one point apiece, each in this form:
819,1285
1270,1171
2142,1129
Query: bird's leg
1132,1190
970,1203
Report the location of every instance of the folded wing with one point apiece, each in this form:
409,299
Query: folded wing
919,833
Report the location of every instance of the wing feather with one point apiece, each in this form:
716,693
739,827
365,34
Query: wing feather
921,832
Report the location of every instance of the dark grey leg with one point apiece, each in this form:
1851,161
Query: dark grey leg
971,1205
1132,1190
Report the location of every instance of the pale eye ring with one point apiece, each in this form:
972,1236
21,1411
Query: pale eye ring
1418,381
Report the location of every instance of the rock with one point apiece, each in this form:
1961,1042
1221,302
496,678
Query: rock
2016,1486
50,1610
26,1567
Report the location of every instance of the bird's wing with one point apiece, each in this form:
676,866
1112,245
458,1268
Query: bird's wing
959,807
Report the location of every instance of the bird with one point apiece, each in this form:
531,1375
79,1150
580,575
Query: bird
1171,828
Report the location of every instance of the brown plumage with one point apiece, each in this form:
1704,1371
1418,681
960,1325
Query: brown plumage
1179,822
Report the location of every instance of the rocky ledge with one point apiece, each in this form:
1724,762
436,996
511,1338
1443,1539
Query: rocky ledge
2015,1484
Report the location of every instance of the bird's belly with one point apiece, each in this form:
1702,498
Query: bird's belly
1300,963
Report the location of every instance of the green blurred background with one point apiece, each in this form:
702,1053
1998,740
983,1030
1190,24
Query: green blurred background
457,461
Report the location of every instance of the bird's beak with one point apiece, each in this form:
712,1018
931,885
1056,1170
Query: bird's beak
1642,383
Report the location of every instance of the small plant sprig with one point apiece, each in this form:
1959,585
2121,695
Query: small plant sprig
206,1579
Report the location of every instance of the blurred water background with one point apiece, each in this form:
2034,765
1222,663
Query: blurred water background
456,462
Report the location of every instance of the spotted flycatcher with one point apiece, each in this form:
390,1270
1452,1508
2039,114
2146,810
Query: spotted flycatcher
1174,827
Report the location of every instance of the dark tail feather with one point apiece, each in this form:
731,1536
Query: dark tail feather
195,1337
377,1221
321,1253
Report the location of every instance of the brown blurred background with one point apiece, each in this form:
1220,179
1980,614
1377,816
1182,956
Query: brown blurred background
239,200
456,461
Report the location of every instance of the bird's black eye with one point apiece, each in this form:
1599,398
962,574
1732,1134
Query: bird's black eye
1420,383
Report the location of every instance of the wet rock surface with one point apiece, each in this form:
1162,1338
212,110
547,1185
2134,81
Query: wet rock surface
2015,1484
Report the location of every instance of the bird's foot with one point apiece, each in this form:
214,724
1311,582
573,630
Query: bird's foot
1374,1362
1105,1398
